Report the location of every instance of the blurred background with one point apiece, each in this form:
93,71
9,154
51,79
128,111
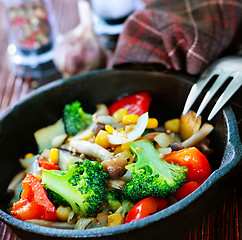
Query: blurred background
46,40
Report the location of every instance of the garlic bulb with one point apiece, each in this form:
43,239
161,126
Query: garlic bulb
80,51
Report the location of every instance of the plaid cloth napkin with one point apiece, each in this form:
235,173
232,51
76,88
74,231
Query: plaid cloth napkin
184,35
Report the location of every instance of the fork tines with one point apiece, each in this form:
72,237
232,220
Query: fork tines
234,85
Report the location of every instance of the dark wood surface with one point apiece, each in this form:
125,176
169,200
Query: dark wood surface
224,220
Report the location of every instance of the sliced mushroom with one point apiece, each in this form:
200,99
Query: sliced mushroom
176,146
14,188
150,136
102,110
91,149
116,184
199,136
205,149
99,126
115,167
106,120
16,180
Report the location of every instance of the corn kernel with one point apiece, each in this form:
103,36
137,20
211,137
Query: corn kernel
28,155
63,213
119,114
54,155
125,146
117,150
130,119
88,136
173,125
37,176
109,129
102,139
115,219
120,130
152,123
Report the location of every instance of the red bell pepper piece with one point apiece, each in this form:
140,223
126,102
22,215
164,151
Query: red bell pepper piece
162,203
186,189
145,207
47,165
34,203
135,104
23,210
198,166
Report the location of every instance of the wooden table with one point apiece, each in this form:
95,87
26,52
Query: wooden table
224,221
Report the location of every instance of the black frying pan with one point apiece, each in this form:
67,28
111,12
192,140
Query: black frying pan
44,106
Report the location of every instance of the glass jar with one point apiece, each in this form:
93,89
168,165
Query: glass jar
31,31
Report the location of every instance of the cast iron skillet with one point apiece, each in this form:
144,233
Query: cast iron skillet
44,106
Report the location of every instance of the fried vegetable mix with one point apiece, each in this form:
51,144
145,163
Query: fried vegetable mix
97,168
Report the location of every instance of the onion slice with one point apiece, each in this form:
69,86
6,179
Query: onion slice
51,224
27,162
133,135
106,120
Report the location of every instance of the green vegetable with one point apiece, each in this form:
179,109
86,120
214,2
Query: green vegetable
126,206
55,198
83,186
116,202
75,118
44,136
152,176
113,201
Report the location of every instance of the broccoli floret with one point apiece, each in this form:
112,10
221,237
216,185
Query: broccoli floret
126,206
116,202
75,118
83,186
152,176
55,198
113,201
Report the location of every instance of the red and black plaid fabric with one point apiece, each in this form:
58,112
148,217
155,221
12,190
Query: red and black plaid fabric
179,34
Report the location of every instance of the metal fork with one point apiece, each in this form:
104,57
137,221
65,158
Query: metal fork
224,69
